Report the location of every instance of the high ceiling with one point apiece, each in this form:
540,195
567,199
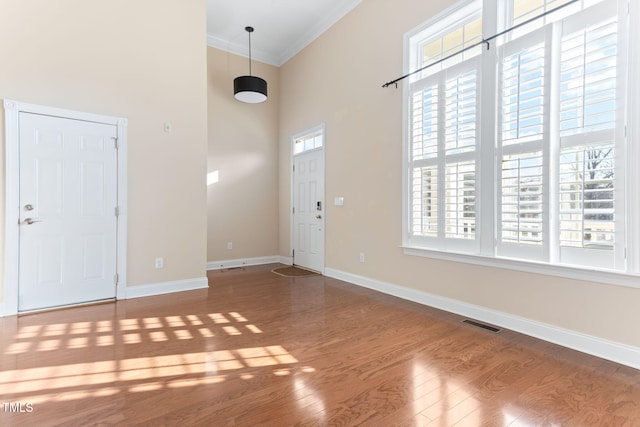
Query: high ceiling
282,27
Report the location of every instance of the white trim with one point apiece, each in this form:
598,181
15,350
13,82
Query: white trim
121,260
12,209
610,350
578,273
3,311
166,287
632,85
246,262
241,49
330,18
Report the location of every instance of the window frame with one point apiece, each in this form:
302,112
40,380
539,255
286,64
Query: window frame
488,204
302,137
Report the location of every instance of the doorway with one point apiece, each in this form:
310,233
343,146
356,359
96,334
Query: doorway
308,215
65,228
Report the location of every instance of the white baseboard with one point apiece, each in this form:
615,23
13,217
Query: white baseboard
165,288
3,311
245,262
146,290
610,350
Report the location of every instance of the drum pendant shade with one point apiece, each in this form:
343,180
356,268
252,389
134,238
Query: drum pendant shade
250,89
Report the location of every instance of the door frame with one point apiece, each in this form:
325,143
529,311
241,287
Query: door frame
12,194
322,128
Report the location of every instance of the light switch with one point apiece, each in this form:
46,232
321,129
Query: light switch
338,201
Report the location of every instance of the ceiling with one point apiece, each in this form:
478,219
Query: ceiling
282,27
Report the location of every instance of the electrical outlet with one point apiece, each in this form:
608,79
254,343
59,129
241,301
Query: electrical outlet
361,256
229,245
159,262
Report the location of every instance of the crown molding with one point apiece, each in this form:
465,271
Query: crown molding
317,30
307,38
240,49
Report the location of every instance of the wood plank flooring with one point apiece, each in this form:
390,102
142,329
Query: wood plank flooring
258,349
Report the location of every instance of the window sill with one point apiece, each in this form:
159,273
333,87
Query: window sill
586,274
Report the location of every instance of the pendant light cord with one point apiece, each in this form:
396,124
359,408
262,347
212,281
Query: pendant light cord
249,30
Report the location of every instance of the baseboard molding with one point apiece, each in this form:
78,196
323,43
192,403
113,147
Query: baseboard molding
145,290
246,262
166,287
3,311
605,349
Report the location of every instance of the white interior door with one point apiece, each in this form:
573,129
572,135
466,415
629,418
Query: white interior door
68,219
308,210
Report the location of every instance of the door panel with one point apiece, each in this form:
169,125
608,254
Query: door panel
68,188
308,214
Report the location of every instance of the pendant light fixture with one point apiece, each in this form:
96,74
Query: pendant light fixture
250,88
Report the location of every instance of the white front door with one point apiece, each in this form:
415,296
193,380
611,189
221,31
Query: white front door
308,210
68,222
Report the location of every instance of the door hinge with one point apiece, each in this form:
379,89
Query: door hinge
115,279
294,168
293,253
115,142
117,211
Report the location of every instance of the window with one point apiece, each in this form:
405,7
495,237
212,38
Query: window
545,180
444,134
311,140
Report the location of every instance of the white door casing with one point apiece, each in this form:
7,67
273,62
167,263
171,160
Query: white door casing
66,222
308,210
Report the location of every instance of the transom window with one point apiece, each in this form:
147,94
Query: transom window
311,140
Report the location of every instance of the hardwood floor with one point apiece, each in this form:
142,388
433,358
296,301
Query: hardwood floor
260,349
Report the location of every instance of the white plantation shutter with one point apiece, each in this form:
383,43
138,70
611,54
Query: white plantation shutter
424,157
591,109
548,180
522,199
588,79
424,201
524,98
460,196
587,197
444,134
523,91
424,115
461,100
461,115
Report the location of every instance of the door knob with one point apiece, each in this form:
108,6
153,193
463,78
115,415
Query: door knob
318,216
30,221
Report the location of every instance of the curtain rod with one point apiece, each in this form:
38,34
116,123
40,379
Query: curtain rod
484,41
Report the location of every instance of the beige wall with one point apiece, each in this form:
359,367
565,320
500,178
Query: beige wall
109,58
337,80
243,148
145,61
